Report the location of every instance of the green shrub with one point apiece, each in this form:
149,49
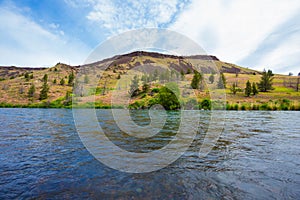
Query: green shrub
206,104
155,90
236,107
243,107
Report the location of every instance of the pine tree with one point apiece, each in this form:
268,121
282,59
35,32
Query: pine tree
45,78
62,81
195,84
134,87
45,88
265,83
254,89
26,76
182,75
31,91
222,81
234,88
71,79
68,99
248,89
211,78
54,81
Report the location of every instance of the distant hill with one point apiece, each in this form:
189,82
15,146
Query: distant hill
16,81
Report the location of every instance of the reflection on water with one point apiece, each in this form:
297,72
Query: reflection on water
257,156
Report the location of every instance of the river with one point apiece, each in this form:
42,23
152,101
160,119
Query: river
256,157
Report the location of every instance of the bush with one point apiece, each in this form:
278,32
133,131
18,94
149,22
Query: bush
265,106
206,104
243,107
155,90
168,99
236,107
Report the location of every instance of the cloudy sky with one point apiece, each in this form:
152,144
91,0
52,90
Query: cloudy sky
253,33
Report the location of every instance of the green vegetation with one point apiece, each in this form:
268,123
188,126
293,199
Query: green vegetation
212,78
31,91
234,89
278,92
45,88
222,81
134,87
254,89
248,89
71,79
197,79
265,83
62,81
168,96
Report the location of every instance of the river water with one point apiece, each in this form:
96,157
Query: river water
256,157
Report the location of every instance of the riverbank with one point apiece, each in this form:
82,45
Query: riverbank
205,104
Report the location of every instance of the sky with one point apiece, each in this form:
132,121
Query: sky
258,34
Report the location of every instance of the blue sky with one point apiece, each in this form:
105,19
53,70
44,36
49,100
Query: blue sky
255,34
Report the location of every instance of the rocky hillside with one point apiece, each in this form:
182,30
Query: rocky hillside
15,82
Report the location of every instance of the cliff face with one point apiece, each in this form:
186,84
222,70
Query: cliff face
12,71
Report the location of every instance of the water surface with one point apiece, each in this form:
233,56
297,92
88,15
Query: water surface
257,156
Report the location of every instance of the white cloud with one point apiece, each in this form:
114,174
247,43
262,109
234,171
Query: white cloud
119,16
233,29
25,43
284,58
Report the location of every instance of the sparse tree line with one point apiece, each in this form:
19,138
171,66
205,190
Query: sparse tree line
44,92
264,85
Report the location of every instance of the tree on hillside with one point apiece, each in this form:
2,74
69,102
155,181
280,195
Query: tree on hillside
62,81
254,89
31,91
197,78
182,75
45,88
234,88
45,78
68,98
71,79
222,81
211,78
265,83
298,81
26,76
248,89
134,87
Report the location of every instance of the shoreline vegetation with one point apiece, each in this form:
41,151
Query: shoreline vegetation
205,104
167,80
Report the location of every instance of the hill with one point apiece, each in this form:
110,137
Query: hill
101,79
